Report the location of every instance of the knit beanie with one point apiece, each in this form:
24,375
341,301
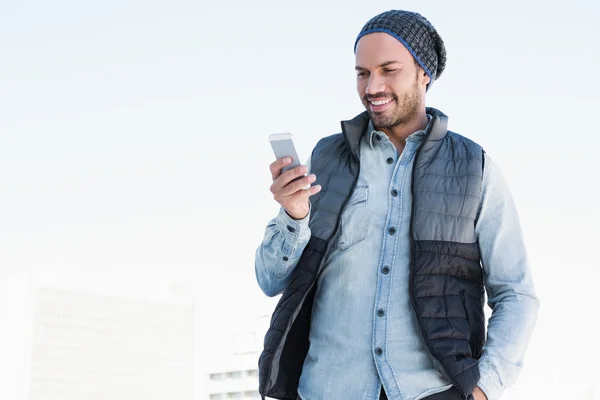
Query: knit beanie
416,33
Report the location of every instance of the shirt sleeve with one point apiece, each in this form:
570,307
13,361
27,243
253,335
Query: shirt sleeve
508,282
283,243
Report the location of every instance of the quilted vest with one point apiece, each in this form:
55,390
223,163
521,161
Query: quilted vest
446,281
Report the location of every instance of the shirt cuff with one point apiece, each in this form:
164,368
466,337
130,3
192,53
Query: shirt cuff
489,382
291,228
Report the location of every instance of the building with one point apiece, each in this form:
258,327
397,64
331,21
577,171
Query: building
234,374
106,347
76,336
93,339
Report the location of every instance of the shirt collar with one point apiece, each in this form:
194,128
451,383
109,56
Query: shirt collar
374,136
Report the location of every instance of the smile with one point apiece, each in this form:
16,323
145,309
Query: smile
380,102
378,106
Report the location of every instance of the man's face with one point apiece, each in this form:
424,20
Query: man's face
389,82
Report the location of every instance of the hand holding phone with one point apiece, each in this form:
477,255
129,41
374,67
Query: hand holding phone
291,186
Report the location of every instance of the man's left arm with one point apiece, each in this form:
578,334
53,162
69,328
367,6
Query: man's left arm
508,282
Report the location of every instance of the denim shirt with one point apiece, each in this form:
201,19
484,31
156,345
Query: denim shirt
358,307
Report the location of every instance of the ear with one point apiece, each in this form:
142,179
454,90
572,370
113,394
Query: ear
425,79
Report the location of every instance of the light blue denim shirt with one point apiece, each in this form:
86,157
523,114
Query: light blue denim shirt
362,299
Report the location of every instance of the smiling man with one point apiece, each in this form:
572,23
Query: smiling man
384,262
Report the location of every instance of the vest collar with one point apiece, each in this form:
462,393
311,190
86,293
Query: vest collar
438,126
353,129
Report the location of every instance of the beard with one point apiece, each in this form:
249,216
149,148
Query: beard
405,110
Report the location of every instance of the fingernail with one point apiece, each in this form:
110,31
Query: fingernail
287,160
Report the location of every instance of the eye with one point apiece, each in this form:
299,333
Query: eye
389,70
361,74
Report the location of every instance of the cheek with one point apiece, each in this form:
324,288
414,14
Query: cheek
361,87
401,85
397,82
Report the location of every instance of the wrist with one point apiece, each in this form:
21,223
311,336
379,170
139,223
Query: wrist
299,215
296,217
290,226
479,394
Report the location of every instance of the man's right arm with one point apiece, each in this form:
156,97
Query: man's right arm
285,237
277,256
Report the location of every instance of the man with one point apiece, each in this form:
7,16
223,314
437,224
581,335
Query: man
383,263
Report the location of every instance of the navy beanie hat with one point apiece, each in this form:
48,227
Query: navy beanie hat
416,33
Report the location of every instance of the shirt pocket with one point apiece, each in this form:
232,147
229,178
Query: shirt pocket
353,226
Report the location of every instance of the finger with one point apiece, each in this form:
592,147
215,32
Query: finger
288,176
292,174
302,195
297,185
313,190
277,165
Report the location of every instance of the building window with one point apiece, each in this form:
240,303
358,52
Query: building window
234,375
217,377
251,396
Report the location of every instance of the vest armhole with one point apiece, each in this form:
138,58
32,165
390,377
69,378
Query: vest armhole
482,162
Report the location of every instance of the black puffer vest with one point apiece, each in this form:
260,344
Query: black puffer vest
446,282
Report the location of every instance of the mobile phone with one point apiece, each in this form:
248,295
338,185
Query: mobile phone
283,146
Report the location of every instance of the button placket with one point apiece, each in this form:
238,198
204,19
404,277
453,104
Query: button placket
394,232
390,237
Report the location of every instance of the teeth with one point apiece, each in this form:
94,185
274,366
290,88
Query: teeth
380,102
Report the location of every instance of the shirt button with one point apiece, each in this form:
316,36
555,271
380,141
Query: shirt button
386,270
394,193
285,258
390,160
391,231
378,351
380,312
291,229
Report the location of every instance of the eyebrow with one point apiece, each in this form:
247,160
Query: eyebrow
385,64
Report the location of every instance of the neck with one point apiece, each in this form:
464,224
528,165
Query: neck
403,131
399,133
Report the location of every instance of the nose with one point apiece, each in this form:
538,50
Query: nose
375,85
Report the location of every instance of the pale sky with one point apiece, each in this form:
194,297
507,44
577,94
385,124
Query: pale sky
134,139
